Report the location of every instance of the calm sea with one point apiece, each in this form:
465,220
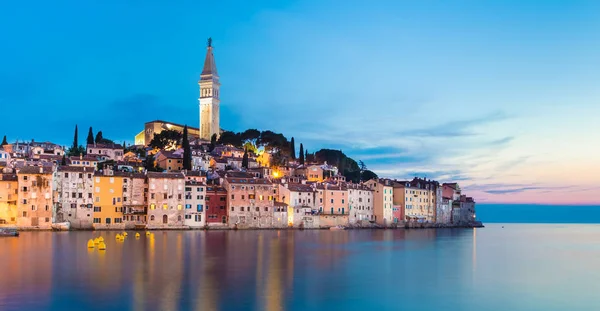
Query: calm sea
500,267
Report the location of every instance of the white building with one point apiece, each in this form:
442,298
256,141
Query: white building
301,201
74,196
165,202
360,199
195,204
106,151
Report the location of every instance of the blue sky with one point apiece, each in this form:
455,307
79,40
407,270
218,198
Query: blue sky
501,96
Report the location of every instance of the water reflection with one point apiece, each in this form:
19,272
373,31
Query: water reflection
274,270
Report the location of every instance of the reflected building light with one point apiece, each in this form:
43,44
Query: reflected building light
273,294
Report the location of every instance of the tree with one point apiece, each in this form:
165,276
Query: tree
251,135
293,149
4,142
64,160
306,156
187,151
231,138
90,138
149,164
301,154
99,137
167,139
368,175
245,159
213,142
75,140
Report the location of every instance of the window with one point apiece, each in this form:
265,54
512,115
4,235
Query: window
96,220
342,201
152,217
266,209
198,218
24,214
118,220
164,206
241,209
257,209
199,207
188,216
108,221
179,206
261,197
233,197
222,199
251,196
233,209
97,209
332,201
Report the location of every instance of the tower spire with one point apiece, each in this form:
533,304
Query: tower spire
210,67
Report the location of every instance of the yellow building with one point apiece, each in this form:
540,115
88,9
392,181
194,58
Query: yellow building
108,201
8,198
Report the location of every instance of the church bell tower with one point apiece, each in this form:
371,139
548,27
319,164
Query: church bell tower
209,96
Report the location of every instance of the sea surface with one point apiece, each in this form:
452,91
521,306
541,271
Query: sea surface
500,267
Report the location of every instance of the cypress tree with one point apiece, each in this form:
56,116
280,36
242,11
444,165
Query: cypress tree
187,152
75,146
90,138
64,160
306,155
293,149
99,137
4,142
301,154
213,142
245,159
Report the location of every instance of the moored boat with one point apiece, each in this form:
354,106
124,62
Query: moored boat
61,226
8,232
338,227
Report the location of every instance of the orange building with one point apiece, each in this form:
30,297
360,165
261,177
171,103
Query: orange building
108,202
34,205
332,199
8,198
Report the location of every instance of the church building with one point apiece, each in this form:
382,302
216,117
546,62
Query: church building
208,103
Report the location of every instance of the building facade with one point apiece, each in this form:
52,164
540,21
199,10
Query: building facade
108,202
165,202
332,199
216,206
383,195
135,196
9,192
74,196
35,208
360,199
195,203
250,202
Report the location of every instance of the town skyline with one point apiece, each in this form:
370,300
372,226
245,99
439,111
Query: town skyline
507,150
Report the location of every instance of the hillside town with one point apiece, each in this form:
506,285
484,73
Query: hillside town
178,177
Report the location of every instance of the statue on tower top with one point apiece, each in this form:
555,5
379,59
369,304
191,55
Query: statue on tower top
209,42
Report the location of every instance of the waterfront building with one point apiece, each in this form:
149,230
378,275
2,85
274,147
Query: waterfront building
106,151
108,202
463,210
195,203
200,160
135,196
209,96
9,185
401,200
216,206
444,214
250,202
332,199
383,194
360,204
301,201
35,207
165,203
74,195
420,201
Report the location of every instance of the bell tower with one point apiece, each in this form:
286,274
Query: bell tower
209,96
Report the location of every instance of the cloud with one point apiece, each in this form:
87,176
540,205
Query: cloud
458,128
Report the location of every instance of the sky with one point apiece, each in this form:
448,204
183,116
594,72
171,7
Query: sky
499,96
